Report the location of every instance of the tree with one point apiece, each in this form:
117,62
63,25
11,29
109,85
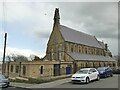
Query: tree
35,58
19,57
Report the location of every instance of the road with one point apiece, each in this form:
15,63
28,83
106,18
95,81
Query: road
110,82
14,88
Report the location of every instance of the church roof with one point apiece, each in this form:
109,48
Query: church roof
102,44
78,56
74,36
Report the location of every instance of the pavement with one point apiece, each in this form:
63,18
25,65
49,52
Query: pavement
43,85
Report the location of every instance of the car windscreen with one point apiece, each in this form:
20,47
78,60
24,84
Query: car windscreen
101,68
82,72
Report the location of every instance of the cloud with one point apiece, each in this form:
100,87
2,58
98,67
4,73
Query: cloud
25,52
17,51
96,17
36,19
29,16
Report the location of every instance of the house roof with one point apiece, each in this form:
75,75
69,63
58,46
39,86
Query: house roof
74,36
78,56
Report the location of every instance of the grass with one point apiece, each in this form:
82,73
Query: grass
39,80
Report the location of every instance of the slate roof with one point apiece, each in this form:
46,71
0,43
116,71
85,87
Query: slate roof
78,56
102,44
74,36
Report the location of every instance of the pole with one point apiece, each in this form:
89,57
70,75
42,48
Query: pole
3,64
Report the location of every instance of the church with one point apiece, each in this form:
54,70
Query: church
67,51
76,49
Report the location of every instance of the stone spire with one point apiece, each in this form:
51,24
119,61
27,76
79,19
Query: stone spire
56,16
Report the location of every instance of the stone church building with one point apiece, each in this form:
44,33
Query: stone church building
75,48
67,51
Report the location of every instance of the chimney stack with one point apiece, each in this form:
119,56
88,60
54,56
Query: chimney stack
106,47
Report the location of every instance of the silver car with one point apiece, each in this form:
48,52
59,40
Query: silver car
4,82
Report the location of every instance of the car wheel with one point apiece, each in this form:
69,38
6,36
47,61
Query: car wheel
111,75
87,80
98,78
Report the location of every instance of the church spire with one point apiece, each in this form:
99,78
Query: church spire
56,16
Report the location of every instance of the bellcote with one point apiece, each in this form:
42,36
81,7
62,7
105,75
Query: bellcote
56,16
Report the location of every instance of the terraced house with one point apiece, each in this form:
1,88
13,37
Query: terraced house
67,51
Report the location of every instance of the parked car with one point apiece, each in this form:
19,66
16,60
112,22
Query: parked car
85,75
105,71
116,70
4,82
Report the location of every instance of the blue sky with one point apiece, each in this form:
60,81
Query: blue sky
29,24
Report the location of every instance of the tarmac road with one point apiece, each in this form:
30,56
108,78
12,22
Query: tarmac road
110,82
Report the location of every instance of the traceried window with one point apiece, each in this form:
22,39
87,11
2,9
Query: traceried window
59,55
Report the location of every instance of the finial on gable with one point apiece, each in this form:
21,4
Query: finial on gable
56,16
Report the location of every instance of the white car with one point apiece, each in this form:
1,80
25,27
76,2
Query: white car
85,75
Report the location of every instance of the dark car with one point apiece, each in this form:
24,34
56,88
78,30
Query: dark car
4,82
116,70
105,71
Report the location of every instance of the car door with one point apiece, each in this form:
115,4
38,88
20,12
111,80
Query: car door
95,74
109,71
91,74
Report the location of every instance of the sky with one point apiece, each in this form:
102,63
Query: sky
29,23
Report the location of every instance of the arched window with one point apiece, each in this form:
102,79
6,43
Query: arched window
51,55
41,70
85,50
24,70
11,70
99,64
114,65
59,55
71,48
87,64
93,64
104,64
